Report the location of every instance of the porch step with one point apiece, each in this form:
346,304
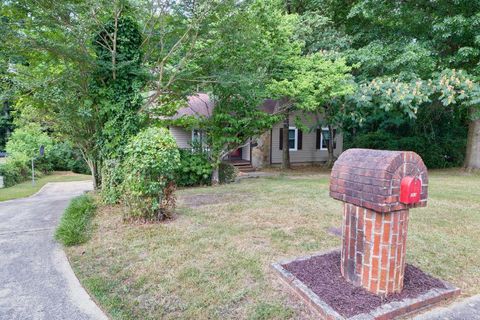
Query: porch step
246,169
242,165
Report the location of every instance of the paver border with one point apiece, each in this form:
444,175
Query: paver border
390,310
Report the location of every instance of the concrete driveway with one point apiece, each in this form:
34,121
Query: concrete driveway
36,281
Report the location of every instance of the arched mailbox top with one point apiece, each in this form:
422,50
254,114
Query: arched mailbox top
373,179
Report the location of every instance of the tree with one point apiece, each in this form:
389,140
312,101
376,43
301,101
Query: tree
447,88
410,41
84,65
313,87
53,69
246,44
236,119
309,41
254,45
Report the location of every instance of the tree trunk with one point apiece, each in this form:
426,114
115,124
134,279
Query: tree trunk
285,144
215,176
472,158
330,147
96,174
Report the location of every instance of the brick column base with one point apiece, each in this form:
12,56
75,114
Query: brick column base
373,251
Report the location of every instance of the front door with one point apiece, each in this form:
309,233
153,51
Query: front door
237,154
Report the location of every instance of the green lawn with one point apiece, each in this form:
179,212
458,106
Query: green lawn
26,189
213,261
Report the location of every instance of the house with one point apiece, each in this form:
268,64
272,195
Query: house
306,146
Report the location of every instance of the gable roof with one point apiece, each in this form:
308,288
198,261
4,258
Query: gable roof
200,105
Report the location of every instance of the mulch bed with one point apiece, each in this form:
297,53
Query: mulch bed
321,274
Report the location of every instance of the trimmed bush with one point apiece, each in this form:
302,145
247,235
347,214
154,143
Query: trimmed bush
76,224
227,172
151,160
194,170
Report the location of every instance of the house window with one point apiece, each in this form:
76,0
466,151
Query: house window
324,137
292,138
197,136
198,139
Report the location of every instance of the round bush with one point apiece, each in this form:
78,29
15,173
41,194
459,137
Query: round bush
151,160
227,172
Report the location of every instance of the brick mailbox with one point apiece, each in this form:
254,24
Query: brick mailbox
378,188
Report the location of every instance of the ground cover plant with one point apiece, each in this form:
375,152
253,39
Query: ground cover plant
76,224
26,188
214,260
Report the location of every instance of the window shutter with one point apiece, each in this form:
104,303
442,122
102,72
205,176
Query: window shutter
280,145
300,138
317,142
334,140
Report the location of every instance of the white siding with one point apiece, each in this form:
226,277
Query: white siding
182,136
309,152
246,152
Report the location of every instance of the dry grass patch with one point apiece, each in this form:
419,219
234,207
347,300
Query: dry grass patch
213,261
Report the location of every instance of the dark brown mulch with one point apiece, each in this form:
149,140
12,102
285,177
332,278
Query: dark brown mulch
321,274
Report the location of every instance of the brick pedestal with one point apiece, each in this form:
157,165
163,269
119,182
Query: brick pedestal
373,251
375,221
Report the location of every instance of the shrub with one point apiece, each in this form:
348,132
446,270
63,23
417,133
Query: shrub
63,157
23,145
76,223
441,154
194,169
112,178
227,172
16,169
27,140
151,160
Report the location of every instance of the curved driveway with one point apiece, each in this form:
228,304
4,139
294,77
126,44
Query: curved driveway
36,281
